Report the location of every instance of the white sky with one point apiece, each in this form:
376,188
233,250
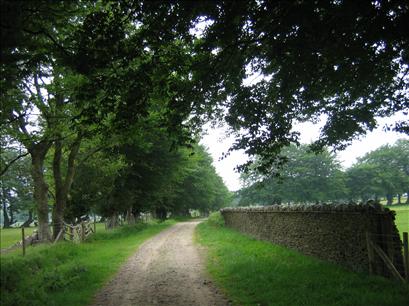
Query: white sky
217,143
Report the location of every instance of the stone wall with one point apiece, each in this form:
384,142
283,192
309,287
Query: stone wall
336,233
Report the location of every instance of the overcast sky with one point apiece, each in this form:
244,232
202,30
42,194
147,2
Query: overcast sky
217,143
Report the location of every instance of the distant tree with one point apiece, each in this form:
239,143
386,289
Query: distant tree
202,188
363,182
305,177
389,166
401,149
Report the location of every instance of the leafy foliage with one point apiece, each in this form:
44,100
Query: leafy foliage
345,60
384,171
15,185
305,177
216,219
310,177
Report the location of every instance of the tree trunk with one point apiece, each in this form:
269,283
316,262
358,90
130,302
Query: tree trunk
136,213
38,152
6,223
399,198
407,197
11,216
130,217
389,199
112,221
62,186
161,213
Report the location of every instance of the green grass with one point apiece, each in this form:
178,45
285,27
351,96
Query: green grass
9,236
253,272
66,273
402,217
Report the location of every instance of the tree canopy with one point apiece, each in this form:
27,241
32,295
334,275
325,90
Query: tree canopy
344,60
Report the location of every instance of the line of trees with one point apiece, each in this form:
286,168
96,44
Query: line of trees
307,177
141,176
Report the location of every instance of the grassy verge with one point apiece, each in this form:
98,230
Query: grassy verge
254,272
67,273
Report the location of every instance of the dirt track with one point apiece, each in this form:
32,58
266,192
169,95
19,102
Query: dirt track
166,270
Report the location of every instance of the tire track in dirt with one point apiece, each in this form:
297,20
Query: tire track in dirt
166,270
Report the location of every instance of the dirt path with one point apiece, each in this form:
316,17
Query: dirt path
166,270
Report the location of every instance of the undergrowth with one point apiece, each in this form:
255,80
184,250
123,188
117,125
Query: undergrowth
216,219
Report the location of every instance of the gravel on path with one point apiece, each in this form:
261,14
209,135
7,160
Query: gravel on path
168,269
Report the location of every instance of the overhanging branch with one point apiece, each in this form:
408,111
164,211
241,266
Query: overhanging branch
4,170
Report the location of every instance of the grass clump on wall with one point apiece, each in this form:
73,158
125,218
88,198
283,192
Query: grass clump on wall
216,219
253,272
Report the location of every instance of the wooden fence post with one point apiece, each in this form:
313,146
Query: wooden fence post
406,255
82,231
370,252
388,262
23,241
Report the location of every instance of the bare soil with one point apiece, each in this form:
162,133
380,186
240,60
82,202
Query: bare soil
166,270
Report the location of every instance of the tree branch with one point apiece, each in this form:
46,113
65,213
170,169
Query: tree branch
43,106
4,170
50,37
57,166
96,150
71,163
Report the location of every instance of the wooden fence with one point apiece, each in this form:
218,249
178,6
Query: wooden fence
77,233
398,270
